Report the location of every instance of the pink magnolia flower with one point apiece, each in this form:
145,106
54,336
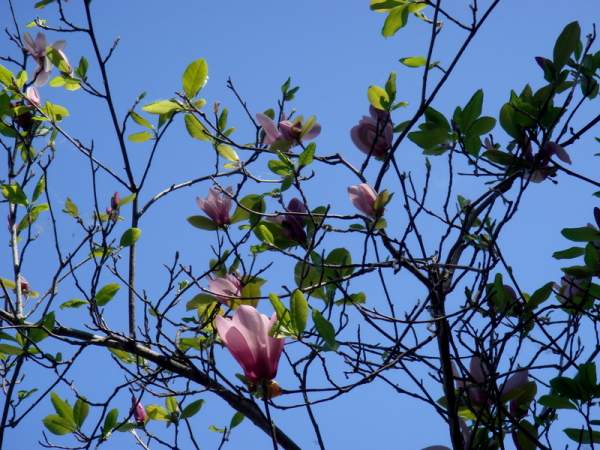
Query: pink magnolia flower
475,387
33,96
216,206
247,337
288,132
38,49
226,288
540,162
363,197
374,135
138,411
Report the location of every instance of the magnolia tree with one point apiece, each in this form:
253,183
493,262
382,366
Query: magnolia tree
290,302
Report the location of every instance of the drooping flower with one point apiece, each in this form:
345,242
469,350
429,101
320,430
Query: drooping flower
293,224
363,197
510,390
247,337
38,48
287,133
540,162
374,134
216,206
138,411
226,288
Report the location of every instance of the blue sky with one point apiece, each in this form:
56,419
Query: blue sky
333,50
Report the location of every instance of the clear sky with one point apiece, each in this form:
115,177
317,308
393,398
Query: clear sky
333,49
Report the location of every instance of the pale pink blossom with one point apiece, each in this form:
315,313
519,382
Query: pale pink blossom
286,133
33,96
216,206
363,197
247,338
38,49
226,288
374,134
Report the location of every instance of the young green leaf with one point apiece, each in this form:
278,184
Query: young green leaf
106,294
130,237
299,311
195,77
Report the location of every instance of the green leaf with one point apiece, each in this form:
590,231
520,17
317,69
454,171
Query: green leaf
10,350
74,303
306,157
378,97
141,120
195,128
127,199
540,295
14,194
338,257
395,20
195,77
565,45
325,329
581,234
157,412
106,294
58,426
6,77
569,253
227,152
162,107
80,412
63,409
71,208
299,311
252,202
39,188
172,406
237,418
141,136
582,436
110,421
130,237
482,126
556,402
508,121
31,216
192,409
279,167
264,234
204,223
414,61
200,300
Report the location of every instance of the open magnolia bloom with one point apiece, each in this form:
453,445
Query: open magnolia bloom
287,133
216,206
247,338
39,50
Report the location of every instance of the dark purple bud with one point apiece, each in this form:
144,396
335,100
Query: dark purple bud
597,216
293,224
114,201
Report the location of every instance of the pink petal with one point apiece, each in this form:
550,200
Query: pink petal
267,124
